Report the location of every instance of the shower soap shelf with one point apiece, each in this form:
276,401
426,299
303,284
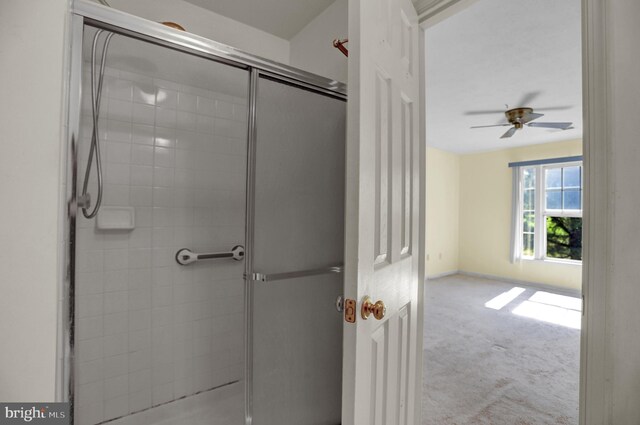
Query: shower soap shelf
116,218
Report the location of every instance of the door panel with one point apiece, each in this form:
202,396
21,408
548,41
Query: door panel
380,385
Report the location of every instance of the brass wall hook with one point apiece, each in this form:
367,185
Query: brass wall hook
339,44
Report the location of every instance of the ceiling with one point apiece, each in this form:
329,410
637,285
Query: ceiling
503,52
283,18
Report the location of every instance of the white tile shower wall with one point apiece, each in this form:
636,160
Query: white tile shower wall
149,331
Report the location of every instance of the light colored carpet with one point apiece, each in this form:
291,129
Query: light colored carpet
483,366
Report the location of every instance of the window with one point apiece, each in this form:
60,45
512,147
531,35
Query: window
551,208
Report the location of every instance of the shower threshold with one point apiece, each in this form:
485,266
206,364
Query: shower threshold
222,405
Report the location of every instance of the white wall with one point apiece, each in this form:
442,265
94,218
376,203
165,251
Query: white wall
624,293
443,212
210,25
312,49
31,76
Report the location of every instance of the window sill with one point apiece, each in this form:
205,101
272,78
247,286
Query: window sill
555,261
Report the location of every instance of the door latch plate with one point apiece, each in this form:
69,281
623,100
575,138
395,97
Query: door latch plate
350,310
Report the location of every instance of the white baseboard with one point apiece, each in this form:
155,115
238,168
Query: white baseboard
535,285
439,275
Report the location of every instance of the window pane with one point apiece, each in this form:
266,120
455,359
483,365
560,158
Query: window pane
554,199
572,199
571,177
528,222
529,178
527,245
553,178
564,237
529,199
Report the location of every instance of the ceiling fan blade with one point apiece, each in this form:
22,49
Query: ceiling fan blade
527,99
554,108
485,126
530,117
509,133
560,125
486,112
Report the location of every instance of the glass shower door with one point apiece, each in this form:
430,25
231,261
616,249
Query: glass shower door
156,341
298,227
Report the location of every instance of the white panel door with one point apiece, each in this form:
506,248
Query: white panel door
380,379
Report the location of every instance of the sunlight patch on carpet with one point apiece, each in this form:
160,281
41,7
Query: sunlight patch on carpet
549,313
503,299
570,303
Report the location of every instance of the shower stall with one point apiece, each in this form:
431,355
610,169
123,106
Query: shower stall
206,218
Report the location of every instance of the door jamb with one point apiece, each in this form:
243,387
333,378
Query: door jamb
595,403
422,231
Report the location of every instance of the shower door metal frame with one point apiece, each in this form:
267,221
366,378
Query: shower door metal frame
84,12
143,29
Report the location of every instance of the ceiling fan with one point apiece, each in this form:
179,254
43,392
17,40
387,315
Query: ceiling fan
519,117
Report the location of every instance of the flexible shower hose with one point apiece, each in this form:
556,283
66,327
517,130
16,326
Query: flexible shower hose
94,150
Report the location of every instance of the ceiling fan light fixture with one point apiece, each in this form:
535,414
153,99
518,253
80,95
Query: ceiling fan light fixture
519,117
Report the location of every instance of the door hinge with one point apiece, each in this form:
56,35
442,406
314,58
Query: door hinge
350,310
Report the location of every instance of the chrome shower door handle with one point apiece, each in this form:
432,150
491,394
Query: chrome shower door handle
262,277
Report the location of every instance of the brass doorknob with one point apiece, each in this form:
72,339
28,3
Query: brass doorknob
378,309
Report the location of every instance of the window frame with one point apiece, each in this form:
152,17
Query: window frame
541,212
